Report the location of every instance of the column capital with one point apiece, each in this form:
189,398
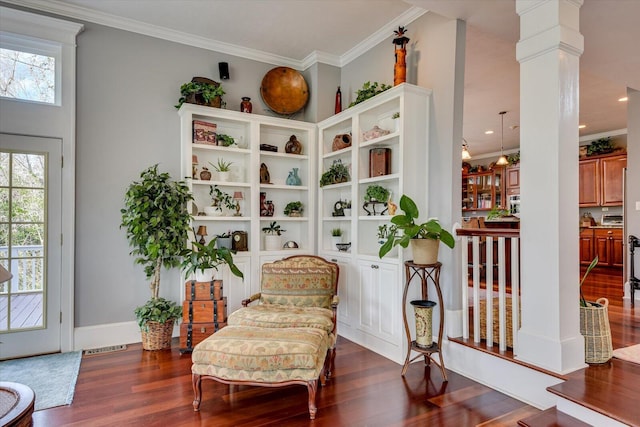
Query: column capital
547,26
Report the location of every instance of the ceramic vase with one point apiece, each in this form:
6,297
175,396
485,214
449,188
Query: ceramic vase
293,178
424,319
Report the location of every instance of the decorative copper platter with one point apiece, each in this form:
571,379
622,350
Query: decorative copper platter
284,90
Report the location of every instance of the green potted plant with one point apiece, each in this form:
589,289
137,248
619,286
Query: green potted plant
201,91
219,201
293,209
272,236
224,240
225,140
376,193
156,221
337,173
223,168
424,237
199,258
336,237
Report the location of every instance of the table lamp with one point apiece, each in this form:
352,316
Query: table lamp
237,196
202,231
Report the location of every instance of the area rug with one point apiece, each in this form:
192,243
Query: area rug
52,377
630,354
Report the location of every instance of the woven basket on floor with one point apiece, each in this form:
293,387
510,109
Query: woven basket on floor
158,335
594,326
496,327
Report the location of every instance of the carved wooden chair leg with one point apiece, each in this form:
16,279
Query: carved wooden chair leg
312,386
197,391
332,365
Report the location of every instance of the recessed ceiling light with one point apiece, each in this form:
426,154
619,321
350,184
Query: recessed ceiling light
488,132
623,99
582,126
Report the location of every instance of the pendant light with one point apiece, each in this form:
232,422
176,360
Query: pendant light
465,150
502,161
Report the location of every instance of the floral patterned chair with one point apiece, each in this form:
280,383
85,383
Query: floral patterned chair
288,338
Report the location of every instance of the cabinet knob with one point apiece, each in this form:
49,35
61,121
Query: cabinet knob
374,266
609,232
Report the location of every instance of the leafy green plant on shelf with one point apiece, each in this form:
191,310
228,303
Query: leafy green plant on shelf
337,173
221,165
293,208
369,90
207,91
376,193
225,140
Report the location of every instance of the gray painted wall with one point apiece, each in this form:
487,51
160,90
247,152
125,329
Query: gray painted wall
128,85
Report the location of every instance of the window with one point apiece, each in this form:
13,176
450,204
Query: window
29,69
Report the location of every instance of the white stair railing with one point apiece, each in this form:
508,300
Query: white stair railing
485,254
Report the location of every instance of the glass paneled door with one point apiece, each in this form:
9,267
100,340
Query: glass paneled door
30,238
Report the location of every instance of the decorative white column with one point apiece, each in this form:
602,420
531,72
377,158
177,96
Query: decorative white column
548,51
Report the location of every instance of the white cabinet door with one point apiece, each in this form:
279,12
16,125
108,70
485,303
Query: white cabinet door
347,291
378,300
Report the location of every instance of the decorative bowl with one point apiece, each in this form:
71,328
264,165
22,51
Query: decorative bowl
343,247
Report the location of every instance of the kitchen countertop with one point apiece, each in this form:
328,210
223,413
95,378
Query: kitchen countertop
603,226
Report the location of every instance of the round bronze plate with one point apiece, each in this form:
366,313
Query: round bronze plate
284,90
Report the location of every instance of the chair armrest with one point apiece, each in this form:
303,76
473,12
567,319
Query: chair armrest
246,302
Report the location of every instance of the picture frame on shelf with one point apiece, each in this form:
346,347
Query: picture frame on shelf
204,132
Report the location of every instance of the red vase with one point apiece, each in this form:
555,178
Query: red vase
338,101
245,105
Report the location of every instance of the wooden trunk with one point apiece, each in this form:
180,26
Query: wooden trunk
204,311
203,290
193,333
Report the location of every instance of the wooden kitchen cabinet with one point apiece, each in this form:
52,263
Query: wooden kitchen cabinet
483,191
608,246
611,169
512,178
600,180
587,246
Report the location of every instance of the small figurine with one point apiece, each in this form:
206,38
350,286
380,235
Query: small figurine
265,176
391,207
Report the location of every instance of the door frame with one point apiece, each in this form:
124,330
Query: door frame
31,119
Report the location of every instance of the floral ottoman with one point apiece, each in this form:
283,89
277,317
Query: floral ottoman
270,357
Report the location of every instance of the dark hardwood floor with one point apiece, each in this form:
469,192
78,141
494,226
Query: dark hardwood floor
140,388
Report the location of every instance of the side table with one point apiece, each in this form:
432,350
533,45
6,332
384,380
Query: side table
425,273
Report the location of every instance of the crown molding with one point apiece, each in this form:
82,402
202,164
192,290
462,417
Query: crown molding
88,15
85,14
382,34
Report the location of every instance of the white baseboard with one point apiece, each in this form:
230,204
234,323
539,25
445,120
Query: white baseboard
97,336
512,379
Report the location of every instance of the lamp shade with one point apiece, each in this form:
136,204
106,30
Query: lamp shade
238,195
4,274
202,230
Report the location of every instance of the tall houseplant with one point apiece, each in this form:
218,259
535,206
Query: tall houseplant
404,230
156,221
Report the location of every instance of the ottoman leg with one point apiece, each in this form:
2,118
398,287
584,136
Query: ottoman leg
312,386
197,391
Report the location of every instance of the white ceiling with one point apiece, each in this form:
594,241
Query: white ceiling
294,32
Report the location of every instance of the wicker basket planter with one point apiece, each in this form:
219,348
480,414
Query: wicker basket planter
594,326
157,336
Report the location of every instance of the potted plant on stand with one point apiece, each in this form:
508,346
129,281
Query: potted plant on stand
594,325
272,236
203,91
156,220
425,237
